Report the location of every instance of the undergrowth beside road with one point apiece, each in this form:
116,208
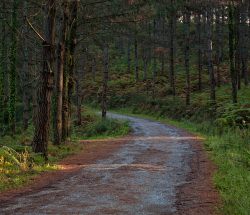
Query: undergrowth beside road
230,150
18,165
94,127
226,126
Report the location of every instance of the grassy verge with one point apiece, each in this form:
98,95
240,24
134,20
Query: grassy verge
18,165
94,127
230,150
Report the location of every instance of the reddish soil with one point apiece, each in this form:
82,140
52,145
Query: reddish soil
159,170
92,151
199,196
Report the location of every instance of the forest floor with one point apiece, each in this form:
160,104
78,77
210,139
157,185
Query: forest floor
158,169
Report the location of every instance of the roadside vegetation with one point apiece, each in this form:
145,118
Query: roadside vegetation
187,61
18,164
224,125
228,149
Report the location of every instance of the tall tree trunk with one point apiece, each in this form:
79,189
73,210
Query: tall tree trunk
244,41
145,69
2,73
136,59
65,104
105,80
41,135
34,75
237,45
154,54
72,46
154,59
129,55
13,52
219,41
172,47
1,97
5,70
4,63
187,54
210,54
79,103
145,62
69,76
79,97
232,49
200,65
25,73
93,67
59,76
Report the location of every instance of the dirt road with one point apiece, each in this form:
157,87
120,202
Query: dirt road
159,170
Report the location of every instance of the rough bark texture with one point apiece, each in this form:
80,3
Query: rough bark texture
12,77
232,49
105,80
68,76
93,67
199,41
72,47
210,54
218,42
41,135
25,74
187,54
136,60
172,29
154,54
2,74
244,41
59,77
78,102
129,55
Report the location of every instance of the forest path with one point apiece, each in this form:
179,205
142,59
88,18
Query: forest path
159,170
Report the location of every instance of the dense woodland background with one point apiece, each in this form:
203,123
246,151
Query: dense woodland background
57,54
180,59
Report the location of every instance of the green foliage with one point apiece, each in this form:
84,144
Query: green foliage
234,115
94,127
230,149
11,158
12,76
18,164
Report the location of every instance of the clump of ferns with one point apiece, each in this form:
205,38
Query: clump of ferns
9,159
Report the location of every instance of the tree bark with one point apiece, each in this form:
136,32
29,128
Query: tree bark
69,74
79,97
172,47
41,135
25,73
12,77
210,54
200,65
129,55
219,42
93,67
59,76
136,59
187,54
105,81
244,41
2,74
232,49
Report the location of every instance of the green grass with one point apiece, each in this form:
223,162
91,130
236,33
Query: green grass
230,151
18,165
225,126
94,127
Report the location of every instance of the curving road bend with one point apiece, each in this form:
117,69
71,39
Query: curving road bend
141,177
